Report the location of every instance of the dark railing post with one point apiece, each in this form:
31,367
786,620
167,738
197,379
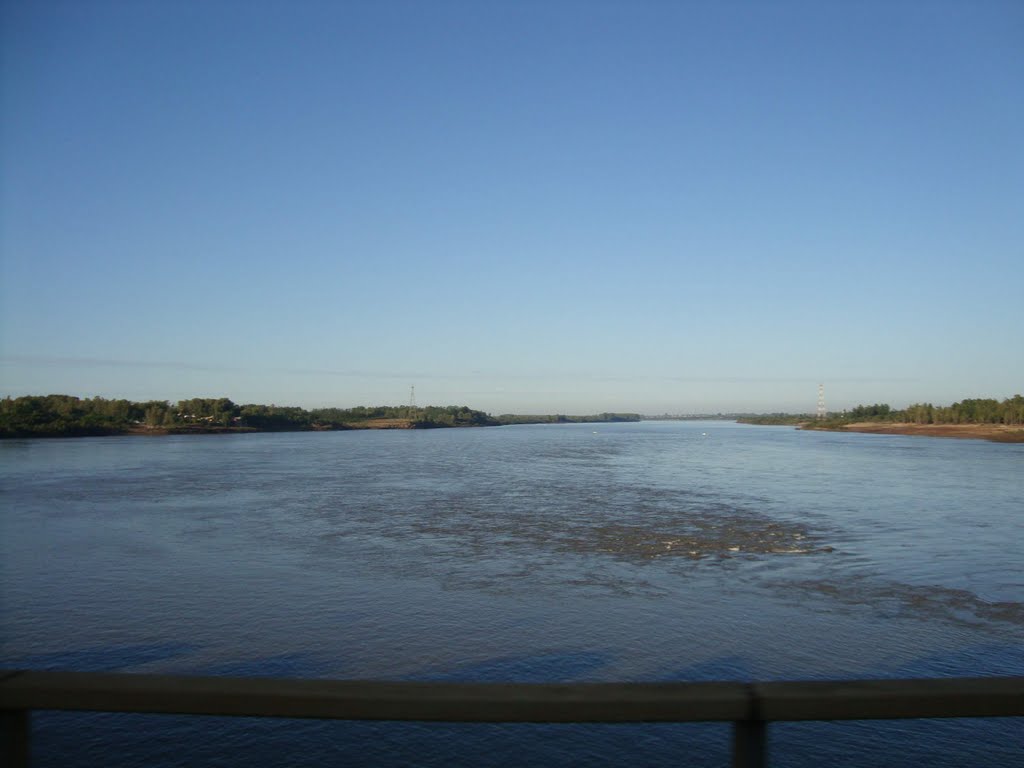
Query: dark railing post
15,725
750,744
750,735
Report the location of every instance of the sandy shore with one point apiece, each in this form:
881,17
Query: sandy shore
999,433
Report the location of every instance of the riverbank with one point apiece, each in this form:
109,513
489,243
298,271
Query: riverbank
197,429
999,433
70,416
214,429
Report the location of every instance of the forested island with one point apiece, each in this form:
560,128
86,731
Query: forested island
69,416
988,418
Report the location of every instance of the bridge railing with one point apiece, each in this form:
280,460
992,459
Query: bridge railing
749,706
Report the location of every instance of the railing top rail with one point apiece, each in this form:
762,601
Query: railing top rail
513,702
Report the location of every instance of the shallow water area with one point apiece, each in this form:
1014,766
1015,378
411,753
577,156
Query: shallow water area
651,551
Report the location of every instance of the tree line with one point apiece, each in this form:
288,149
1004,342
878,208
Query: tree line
69,416
968,411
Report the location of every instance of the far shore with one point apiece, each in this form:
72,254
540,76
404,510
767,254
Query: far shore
209,429
999,433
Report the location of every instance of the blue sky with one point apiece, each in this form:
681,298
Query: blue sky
537,206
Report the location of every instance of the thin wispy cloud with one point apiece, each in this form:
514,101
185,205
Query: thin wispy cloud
107,362
410,375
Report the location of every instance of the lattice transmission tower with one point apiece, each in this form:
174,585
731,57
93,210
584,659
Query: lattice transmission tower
822,413
412,396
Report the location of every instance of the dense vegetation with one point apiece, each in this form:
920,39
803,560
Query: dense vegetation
67,416
970,411
64,415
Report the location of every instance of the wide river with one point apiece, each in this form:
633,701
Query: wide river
607,552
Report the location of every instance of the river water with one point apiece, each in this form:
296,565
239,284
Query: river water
607,552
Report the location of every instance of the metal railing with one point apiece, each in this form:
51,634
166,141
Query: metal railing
749,706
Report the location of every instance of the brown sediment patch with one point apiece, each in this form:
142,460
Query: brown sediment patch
1000,433
927,602
724,537
686,527
380,424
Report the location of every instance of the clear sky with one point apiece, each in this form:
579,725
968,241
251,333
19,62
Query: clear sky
527,207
